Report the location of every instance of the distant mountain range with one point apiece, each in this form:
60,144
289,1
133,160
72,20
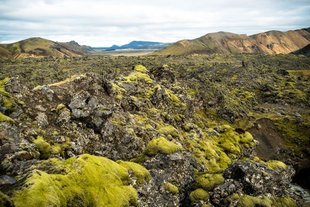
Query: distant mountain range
136,45
39,47
271,42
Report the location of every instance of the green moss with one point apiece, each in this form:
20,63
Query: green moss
246,137
199,195
251,201
295,134
161,145
59,107
118,91
44,147
233,142
207,153
140,172
4,118
138,76
87,181
275,164
284,202
173,98
264,201
140,68
2,87
168,130
209,181
171,188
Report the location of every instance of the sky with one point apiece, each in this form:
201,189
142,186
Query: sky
108,22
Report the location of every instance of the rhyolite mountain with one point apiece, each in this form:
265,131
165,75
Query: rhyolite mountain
136,45
271,42
40,47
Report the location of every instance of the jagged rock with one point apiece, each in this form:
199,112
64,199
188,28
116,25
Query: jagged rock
163,73
42,119
82,105
7,180
178,169
64,116
252,178
120,143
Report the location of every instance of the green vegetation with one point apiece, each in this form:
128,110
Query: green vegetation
140,172
171,188
251,201
4,118
2,86
141,69
202,106
44,147
161,145
209,181
138,76
87,181
274,164
199,195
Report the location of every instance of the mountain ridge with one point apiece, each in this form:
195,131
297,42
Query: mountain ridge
40,47
270,42
136,44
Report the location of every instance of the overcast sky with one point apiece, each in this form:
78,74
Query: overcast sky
107,22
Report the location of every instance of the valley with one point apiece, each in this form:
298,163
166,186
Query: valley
164,130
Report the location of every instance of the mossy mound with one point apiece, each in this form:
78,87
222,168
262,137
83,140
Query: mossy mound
274,164
140,68
199,195
209,181
264,201
4,118
171,188
161,145
86,181
140,172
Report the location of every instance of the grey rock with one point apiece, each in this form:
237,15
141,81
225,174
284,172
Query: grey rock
7,180
42,119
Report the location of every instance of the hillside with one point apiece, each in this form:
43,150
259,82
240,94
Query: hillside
154,131
39,47
271,42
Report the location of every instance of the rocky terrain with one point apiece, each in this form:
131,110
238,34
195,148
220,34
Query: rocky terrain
200,130
38,47
271,42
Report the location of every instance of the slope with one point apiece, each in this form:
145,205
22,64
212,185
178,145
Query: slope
39,47
271,42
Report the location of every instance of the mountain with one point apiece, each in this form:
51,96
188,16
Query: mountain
271,42
136,45
39,47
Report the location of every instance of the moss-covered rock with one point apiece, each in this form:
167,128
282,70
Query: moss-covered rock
44,147
4,118
140,172
162,145
171,188
199,195
209,181
274,164
140,68
87,181
264,201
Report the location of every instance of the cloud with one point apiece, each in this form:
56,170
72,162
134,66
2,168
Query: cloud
107,22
